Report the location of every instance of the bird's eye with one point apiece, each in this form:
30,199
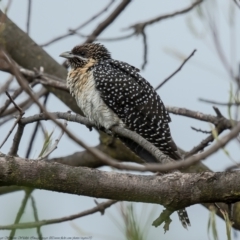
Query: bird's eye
82,53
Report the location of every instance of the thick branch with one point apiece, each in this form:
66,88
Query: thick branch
174,190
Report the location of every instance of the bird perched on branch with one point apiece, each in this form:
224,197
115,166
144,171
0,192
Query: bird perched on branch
113,93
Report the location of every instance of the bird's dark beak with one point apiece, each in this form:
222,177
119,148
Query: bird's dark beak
67,55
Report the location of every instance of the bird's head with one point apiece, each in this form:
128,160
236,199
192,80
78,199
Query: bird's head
81,55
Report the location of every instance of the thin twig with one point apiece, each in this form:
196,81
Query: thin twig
25,104
29,15
6,85
16,140
145,49
165,80
8,101
53,83
220,127
107,39
74,31
38,74
21,113
54,146
201,146
98,208
200,116
115,38
218,112
20,212
142,25
35,131
32,140
35,213
219,103
200,130
237,3
15,105
109,20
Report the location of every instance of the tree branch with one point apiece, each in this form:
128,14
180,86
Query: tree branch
138,27
99,208
176,71
168,165
174,191
200,116
102,26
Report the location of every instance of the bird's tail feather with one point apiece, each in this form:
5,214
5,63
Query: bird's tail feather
183,217
138,150
147,157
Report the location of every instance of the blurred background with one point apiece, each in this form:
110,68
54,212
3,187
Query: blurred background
212,28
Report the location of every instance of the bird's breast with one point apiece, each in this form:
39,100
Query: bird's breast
82,87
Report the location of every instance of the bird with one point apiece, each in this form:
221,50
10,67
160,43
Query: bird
113,93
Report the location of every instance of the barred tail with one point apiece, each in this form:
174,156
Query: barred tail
183,217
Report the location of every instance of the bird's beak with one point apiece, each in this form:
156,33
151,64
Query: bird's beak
67,55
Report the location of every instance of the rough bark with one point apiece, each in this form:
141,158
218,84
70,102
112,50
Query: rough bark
174,191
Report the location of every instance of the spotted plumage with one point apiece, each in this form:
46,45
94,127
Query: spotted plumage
135,102
111,92
115,89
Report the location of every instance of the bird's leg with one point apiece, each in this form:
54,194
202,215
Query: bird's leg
112,138
112,135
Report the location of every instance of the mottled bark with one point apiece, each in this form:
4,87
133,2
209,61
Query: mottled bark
174,191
